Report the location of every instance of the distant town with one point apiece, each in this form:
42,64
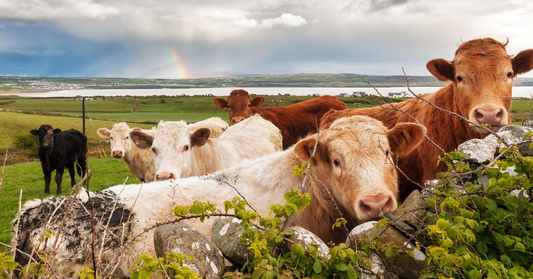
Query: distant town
32,84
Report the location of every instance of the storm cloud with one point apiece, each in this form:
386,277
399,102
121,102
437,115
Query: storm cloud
186,38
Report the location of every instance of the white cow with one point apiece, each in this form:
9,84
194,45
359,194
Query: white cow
140,161
352,165
179,153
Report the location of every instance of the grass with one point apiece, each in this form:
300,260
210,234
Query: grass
29,178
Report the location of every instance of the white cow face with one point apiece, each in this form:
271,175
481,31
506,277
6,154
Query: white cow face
172,147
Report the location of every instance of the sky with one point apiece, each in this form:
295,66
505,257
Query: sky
172,39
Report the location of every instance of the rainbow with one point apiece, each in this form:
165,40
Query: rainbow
181,69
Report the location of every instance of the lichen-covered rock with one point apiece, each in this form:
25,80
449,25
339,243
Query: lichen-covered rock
528,121
482,151
305,237
378,268
225,234
514,134
179,237
413,209
405,266
479,151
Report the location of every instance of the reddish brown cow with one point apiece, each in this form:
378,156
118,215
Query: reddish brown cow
295,121
480,89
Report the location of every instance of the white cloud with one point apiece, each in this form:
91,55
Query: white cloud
285,20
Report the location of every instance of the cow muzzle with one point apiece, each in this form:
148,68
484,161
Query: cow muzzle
160,176
370,207
118,153
236,120
495,116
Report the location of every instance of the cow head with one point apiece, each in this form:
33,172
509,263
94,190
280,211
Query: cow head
119,137
171,146
482,74
354,158
46,136
239,105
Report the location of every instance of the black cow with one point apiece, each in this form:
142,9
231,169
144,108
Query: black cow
59,150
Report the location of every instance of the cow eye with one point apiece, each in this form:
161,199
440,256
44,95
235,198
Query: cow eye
249,105
127,137
510,74
459,78
227,106
387,152
154,150
336,162
110,137
185,148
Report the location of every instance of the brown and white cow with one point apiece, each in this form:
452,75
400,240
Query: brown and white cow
295,121
140,161
353,161
178,153
480,89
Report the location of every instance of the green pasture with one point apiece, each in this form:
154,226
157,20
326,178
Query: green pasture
28,177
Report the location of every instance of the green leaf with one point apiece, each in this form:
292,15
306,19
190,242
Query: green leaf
341,267
317,267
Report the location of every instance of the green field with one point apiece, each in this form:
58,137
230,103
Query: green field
29,178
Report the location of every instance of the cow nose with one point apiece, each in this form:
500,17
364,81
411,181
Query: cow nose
117,153
371,207
236,120
164,176
492,116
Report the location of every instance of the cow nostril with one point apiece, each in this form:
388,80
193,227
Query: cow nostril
364,207
500,114
478,114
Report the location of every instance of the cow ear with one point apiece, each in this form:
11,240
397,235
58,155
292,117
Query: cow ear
200,137
104,133
57,131
304,150
141,139
258,101
34,132
404,137
523,62
441,69
221,103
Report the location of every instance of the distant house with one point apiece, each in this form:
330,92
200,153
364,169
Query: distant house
354,94
402,94
342,95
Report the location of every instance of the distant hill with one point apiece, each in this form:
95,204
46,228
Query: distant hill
11,83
